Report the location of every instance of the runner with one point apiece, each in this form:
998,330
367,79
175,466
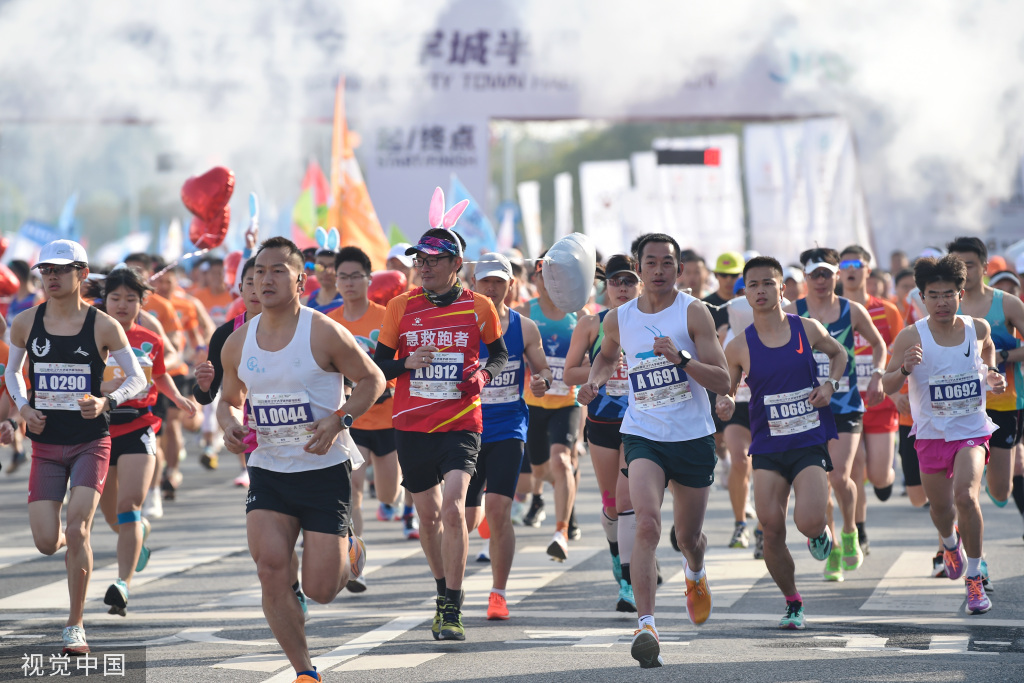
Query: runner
326,297
874,459
67,342
1004,315
286,362
27,296
132,431
398,260
216,297
554,419
790,422
436,331
841,318
695,273
674,358
604,420
948,404
372,432
504,418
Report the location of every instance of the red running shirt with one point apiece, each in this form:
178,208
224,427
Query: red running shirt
148,348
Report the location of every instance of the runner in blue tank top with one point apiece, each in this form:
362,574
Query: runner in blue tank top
604,419
505,422
841,317
790,422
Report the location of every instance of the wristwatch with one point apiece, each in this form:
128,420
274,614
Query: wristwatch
1004,355
686,358
346,419
834,383
111,401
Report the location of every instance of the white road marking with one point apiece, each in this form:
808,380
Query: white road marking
908,587
396,661
730,576
13,556
532,569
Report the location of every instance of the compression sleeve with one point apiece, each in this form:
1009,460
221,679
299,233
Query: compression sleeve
384,357
134,378
15,380
220,336
497,355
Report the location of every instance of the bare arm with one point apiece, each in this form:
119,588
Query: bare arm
867,330
735,358
1013,309
352,362
907,340
151,322
820,340
534,354
708,368
577,362
995,380
232,393
605,362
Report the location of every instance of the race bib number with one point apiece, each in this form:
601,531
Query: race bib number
865,367
657,382
282,419
821,360
113,372
791,413
438,379
955,395
505,387
742,390
558,385
618,384
58,386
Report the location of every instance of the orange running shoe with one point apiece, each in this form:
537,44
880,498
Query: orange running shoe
497,607
356,556
699,603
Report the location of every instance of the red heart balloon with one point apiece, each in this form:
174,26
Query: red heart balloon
4,243
231,263
386,285
205,195
210,234
8,281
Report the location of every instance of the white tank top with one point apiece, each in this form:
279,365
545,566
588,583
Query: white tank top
288,392
947,390
664,403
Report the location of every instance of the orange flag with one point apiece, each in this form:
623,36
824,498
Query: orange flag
350,209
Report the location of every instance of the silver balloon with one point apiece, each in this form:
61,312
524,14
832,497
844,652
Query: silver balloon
569,271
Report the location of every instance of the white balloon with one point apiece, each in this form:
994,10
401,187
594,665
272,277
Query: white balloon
569,271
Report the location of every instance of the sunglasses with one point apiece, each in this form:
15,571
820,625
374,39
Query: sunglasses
727,274
821,274
623,282
851,263
59,270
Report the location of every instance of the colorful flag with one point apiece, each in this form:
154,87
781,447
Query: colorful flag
310,209
395,235
474,226
350,209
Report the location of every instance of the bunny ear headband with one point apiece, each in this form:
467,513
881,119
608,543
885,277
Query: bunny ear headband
439,220
329,240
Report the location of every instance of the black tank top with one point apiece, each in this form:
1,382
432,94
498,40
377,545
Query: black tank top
62,370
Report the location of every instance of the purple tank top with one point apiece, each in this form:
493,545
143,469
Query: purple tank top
780,380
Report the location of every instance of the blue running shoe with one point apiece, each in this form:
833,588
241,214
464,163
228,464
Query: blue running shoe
821,547
626,601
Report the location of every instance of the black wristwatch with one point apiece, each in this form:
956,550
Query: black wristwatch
1005,355
111,401
686,358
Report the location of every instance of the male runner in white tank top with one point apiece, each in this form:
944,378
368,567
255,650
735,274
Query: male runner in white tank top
289,362
674,358
949,359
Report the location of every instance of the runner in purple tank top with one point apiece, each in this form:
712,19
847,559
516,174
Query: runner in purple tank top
790,422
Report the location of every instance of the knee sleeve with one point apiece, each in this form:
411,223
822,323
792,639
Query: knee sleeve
626,535
611,527
129,517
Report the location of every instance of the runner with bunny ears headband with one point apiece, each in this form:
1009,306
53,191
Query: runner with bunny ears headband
326,298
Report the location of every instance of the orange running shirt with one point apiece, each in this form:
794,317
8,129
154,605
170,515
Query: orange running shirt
216,305
164,312
185,310
886,317
426,400
366,330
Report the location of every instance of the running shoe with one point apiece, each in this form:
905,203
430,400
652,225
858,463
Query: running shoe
303,603
997,503
955,560
853,558
356,584
699,602
938,566
242,480
306,678
646,649
626,603
484,529
385,512
864,543
435,625
154,505
575,533
144,552
74,641
535,515
793,619
485,552
834,565
356,555
451,623
517,512
740,536
883,493
749,513
977,600
17,460
559,548
657,572
209,459
497,607
169,488
821,547
412,527
673,540
758,544
616,568
989,588
117,598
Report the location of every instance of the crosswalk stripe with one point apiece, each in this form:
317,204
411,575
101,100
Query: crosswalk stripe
396,661
12,556
907,587
731,575
532,569
163,563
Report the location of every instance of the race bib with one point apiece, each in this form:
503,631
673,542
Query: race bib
618,384
657,382
821,360
742,390
865,368
790,413
58,386
955,395
113,371
438,379
282,419
558,385
505,387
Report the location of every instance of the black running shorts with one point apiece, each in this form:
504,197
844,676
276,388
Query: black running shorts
497,471
378,441
425,458
319,499
550,426
791,463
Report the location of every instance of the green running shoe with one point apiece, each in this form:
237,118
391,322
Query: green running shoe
451,623
853,556
627,603
435,627
793,620
821,547
834,565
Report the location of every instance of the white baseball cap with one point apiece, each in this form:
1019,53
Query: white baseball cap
811,267
793,273
493,264
398,252
62,252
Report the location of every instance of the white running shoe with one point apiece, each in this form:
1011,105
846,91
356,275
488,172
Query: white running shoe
485,552
559,548
154,505
74,641
242,479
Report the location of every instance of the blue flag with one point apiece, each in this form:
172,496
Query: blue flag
67,226
474,225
